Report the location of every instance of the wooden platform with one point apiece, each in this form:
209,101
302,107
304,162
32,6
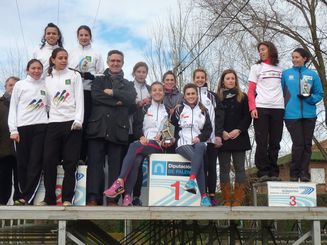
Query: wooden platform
161,213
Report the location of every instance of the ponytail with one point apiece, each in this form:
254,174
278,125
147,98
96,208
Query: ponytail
53,56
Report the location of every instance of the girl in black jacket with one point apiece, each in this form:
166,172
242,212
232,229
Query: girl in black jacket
235,137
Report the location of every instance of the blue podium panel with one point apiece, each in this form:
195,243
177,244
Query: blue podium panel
167,177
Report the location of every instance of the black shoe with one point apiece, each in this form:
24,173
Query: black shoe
263,178
294,179
275,178
305,179
137,202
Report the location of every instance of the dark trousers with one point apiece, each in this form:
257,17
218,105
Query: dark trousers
7,168
301,131
30,159
87,113
268,130
62,145
210,168
225,164
134,159
97,150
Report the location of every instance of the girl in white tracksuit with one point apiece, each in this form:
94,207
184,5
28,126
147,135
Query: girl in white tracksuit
148,131
193,129
88,62
63,138
216,112
51,40
27,123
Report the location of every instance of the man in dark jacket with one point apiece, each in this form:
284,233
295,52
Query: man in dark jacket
7,152
108,126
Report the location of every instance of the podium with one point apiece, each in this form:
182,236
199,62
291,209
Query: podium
80,190
287,194
168,174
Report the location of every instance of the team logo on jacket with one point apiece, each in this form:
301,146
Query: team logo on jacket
35,104
68,82
60,97
291,77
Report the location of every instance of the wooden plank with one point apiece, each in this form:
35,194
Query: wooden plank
161,213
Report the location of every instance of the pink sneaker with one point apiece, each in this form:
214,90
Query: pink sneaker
116,189
127,201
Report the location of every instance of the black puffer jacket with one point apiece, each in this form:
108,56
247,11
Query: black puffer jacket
110,114
6,144
237,116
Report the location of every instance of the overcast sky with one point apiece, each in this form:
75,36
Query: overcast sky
123,25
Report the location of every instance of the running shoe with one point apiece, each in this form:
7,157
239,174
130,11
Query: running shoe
190,186
116,189
205,202
127,201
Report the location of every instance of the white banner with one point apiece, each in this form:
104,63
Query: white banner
80,191
292,194
167,177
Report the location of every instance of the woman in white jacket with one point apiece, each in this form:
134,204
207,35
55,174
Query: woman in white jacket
51,40
88,62
27,123
63,138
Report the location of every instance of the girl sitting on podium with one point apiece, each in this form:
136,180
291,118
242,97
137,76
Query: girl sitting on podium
148,129
192,129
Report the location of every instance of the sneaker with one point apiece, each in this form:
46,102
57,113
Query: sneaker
116,189
205,202
43,203
137,201
67,203
20,202
127,201
190,186
263,178
214,201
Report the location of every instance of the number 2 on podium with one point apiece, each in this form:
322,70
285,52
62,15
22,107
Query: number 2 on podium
177,187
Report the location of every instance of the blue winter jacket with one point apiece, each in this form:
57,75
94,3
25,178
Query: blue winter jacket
295,107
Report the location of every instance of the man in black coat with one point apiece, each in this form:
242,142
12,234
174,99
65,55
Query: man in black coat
8,164
108,126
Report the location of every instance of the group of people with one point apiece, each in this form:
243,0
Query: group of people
69,109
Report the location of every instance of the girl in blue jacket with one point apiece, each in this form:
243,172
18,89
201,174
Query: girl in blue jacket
302,91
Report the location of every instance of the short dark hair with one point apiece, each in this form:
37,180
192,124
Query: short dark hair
304,53
11,78
115,51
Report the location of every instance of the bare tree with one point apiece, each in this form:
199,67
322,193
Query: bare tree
175,46
290,23
13,65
